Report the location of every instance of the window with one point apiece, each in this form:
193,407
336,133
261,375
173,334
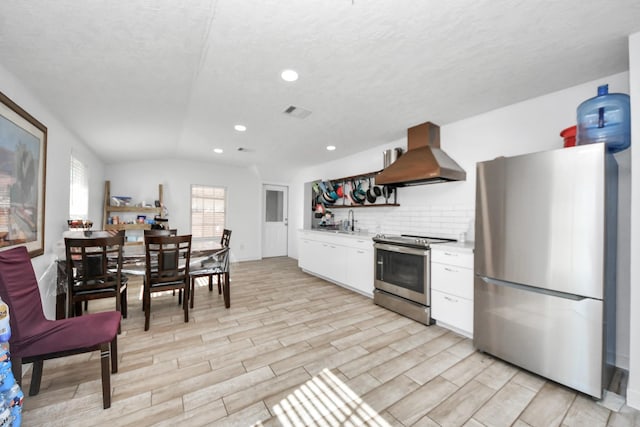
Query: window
274,209
208,209
78,190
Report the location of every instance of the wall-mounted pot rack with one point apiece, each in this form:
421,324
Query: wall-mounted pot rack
344,202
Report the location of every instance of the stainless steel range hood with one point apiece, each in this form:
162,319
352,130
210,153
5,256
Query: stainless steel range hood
424,162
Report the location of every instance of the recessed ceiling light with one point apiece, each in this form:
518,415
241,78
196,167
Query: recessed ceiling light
289,75
218,150
240,128
331,147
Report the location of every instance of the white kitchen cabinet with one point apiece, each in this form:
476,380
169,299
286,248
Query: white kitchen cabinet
333,264
452,288
308,252
346,260
360,266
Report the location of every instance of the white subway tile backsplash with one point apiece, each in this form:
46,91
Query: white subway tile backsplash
414,218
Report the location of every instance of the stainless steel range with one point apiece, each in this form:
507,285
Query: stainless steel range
402,274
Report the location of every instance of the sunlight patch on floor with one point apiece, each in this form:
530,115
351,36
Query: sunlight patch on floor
324,400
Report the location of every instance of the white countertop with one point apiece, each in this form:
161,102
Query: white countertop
355,234
450,246
454,246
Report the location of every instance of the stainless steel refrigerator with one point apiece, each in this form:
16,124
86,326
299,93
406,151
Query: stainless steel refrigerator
545,259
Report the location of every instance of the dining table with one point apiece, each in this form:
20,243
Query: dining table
133,260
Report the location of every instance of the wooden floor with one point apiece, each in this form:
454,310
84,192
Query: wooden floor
296,350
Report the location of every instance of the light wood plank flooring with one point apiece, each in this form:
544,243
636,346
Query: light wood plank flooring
296,350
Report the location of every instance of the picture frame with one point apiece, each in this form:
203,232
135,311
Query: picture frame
23,160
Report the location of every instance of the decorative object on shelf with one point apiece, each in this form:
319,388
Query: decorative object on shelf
391,155
24,142
120,201
79,224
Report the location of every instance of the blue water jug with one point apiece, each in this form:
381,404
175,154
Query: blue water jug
5,327
7,380
605,118
14,399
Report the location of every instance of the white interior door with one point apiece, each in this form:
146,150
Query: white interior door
274,220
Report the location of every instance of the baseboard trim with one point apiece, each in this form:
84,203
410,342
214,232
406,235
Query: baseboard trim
633,398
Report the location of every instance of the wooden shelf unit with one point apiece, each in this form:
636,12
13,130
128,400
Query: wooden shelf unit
109,210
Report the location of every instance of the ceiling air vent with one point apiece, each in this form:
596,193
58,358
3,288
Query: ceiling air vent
298,112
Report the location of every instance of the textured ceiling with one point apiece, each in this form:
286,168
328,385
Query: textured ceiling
145,79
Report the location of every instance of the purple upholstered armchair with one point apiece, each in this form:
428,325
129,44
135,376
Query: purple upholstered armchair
35,339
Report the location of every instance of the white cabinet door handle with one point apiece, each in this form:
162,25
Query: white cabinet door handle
450,254
450,299
451,270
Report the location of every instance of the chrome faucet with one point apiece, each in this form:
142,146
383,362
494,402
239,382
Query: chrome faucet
351,219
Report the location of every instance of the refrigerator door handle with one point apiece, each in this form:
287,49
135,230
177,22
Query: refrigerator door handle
527,288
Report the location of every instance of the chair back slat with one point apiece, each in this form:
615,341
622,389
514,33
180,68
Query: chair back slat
226,238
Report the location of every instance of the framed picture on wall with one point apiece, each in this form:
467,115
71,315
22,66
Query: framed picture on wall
23,151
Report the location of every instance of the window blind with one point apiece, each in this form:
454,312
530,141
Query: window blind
208,211
79,190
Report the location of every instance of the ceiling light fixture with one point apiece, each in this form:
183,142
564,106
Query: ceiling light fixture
289,75
218,150
331,147
240,128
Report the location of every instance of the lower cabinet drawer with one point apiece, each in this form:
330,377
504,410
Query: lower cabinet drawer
461,259
451,279
452,310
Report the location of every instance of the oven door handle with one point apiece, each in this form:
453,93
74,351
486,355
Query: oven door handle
401,249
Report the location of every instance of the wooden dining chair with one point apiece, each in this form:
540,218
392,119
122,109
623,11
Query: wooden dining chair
166,268
164,232
103,233
35,339
215,265
94,271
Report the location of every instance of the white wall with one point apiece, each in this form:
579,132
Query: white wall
140,181
633,387
529,126
60,144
